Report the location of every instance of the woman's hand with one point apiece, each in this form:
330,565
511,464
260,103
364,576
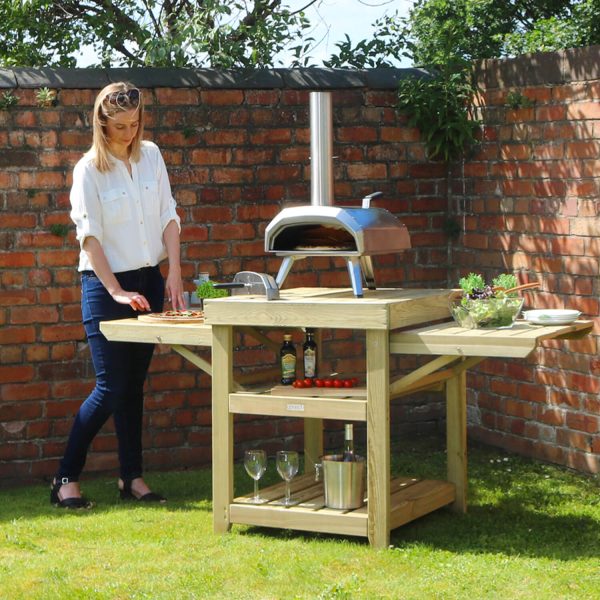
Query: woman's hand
135,300
174,288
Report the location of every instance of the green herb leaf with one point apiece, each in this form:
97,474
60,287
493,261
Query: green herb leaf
207,290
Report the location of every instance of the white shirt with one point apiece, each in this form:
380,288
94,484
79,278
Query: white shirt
126,213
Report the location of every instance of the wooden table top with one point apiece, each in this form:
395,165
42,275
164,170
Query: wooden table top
387,308
451,340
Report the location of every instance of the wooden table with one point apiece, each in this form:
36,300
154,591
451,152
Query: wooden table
381,313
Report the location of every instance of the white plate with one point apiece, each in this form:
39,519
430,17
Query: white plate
551,316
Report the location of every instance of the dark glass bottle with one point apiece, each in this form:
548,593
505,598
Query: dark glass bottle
309,354
287,358
348,455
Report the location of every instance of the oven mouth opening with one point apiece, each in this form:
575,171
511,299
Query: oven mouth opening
313,237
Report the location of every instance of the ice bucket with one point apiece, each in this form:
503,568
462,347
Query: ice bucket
344,482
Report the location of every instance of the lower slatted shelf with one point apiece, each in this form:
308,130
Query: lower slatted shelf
409,499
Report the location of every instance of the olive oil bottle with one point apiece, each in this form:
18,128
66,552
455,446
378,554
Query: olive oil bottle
309,355
287,358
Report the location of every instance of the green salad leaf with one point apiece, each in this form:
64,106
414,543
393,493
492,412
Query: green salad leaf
471,282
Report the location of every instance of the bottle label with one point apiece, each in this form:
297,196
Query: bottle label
288,366
310,363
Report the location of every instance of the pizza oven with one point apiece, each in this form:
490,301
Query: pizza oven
322,229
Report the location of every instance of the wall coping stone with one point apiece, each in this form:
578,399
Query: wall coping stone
153,77
541,68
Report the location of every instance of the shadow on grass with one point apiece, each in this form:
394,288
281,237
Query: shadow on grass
185,491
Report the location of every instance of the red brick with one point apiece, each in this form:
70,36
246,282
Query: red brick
583,110
231,175
23,315
222,97
22,411
277,173
17,335
582,422
179,96
582,149
61,333
266,137
25,391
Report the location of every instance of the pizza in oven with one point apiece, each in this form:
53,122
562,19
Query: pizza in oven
174,316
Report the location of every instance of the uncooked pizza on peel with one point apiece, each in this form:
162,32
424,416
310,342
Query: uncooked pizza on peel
174,316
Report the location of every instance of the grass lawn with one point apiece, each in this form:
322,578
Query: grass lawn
532,531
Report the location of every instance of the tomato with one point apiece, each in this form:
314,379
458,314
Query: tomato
299,383
354,380
328,383
338,383
319,382
348,383
308,382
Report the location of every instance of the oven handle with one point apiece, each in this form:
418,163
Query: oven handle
366,201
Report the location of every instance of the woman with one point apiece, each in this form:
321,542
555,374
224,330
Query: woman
126,224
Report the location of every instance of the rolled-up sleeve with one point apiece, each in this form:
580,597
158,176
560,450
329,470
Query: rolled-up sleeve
86,210
167,202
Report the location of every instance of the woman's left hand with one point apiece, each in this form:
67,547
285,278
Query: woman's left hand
174,288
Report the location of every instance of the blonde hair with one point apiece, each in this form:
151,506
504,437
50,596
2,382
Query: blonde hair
105,109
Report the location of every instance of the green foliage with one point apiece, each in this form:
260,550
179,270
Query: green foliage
210,33
386,46
188,131
207,290
45,97
59,229
8,100
441,108
516,100
488,29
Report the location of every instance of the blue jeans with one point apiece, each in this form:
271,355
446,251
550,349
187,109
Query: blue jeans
120,368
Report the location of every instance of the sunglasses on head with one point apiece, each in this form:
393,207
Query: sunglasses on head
124,99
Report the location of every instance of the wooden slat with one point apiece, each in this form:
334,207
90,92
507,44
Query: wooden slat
259,336
418,500
302,484
351,409
418,375
133,330
196,360
322,392
451,340
301,519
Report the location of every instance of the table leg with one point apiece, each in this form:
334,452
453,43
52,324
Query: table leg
378,437
222,426
456,437
313,443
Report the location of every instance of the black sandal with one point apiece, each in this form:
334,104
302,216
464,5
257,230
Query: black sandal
66,502
127,494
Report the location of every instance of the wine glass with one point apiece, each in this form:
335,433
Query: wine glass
287,467
255,463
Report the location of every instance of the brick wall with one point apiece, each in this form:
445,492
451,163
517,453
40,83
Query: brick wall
529,202
237,151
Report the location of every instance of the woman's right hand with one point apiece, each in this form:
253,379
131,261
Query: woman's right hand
134,299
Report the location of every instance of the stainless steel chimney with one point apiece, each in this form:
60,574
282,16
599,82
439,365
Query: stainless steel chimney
321,149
